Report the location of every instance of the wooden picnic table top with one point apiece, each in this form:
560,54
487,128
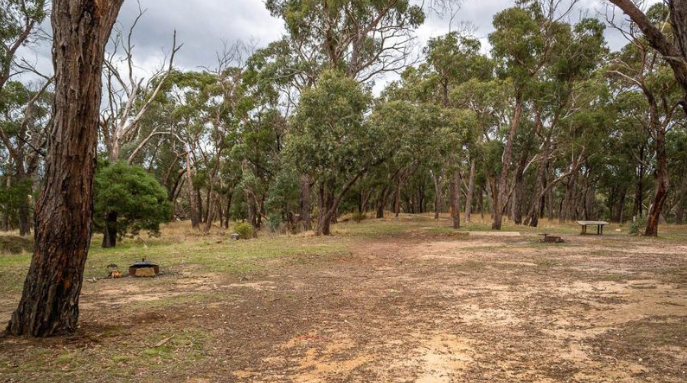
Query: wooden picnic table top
585,223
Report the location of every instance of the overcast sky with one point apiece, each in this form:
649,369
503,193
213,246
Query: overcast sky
203,25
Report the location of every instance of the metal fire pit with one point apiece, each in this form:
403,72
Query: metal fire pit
548,238
144,269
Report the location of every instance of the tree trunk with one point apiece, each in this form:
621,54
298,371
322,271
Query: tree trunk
220,212
50,299
437,195
675,53
662,184
381,202
206,211
516,204
325,215
305,218
637,209
229,198
252,216
621,205
110,234
24,216
680,202
192,203
565,210
501,195
480,202
454,191
329,205
212,198
397,196
537,200
364,201
549,193
471,187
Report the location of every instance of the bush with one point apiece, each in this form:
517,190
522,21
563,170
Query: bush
274,223
127,199
244,230
14,245
359,217
637,225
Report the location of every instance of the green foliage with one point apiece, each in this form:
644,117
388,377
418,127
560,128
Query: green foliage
244,230
359,217
274,223
356,37
12,198
15,15
329,138
638,225
139,200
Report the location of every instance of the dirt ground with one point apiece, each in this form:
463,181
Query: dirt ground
416,306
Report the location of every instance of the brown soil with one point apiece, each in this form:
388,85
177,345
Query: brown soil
407,309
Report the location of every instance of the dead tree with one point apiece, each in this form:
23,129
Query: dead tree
128,97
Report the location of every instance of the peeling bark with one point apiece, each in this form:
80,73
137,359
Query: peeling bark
50,299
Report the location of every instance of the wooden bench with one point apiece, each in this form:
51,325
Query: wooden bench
599,226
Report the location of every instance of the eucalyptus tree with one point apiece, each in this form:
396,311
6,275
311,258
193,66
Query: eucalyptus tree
25,114
23,107
330,140
19,26
668,35
452,59
582,50
486,98
359,38
410,144
642,70
677,154
129,97
50,299
193,93
521,45
580,139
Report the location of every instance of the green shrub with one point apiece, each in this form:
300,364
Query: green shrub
637,225
244,230
359,217
274,223
127,199
14,245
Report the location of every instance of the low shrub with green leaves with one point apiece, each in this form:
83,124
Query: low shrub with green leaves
359,217
274,223
244,230
637,225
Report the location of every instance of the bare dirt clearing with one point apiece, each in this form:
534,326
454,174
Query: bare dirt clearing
413,304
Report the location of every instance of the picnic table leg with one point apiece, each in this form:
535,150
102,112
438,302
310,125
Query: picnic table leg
598,229
584,229
602,229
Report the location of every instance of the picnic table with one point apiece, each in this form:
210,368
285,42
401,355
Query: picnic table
599,226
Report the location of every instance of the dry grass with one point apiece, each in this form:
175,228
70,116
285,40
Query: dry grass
398,299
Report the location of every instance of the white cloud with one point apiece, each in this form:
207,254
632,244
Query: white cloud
202,26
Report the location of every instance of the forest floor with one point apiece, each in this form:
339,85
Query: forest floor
403,300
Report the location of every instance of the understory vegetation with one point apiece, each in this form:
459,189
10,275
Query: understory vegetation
543,121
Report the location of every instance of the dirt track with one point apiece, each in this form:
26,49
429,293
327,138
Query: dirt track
423,308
